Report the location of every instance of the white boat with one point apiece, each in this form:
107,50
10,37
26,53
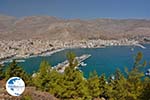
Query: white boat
132,49
147,72
20,60
113,77
83,64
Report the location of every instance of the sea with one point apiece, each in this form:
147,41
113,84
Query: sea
103,60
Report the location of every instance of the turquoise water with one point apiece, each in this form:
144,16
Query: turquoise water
103,60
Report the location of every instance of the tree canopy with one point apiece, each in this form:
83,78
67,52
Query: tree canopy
71,85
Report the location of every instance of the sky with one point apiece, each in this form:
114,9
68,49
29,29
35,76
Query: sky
83,9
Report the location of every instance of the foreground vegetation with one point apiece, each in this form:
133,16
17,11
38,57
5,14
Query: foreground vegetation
71,85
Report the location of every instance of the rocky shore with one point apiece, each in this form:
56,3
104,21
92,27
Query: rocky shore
28,48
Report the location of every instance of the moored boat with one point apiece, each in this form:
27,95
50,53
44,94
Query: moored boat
83,64
147,72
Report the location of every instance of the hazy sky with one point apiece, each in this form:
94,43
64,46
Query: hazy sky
77,8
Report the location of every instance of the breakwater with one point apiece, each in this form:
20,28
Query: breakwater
60,67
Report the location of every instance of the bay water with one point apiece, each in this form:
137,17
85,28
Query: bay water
103,60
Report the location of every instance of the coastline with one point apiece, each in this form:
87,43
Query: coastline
47,51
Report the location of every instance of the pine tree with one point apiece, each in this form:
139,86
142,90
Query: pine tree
13,70
145,93
105,87
71,59
93,85
119,91
1,72
56,83
76,85
134,82
41,78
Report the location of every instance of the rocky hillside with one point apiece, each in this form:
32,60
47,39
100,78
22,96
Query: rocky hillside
48,27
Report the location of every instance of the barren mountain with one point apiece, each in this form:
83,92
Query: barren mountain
47,27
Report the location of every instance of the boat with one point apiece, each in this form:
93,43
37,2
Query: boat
147,72
132,49
20,60
83,64
113,77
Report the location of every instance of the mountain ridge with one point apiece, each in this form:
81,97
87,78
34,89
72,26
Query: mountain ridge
53,28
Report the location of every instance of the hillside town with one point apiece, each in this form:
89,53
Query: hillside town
27,48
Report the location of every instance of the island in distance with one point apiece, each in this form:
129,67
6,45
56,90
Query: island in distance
52,28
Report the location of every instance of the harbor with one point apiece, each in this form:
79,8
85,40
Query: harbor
60,67
30,48
111,57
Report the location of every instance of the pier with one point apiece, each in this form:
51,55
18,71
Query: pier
61,66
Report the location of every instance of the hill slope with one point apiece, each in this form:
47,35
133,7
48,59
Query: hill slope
47,27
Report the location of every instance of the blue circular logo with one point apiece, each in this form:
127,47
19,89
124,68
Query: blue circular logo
15,86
